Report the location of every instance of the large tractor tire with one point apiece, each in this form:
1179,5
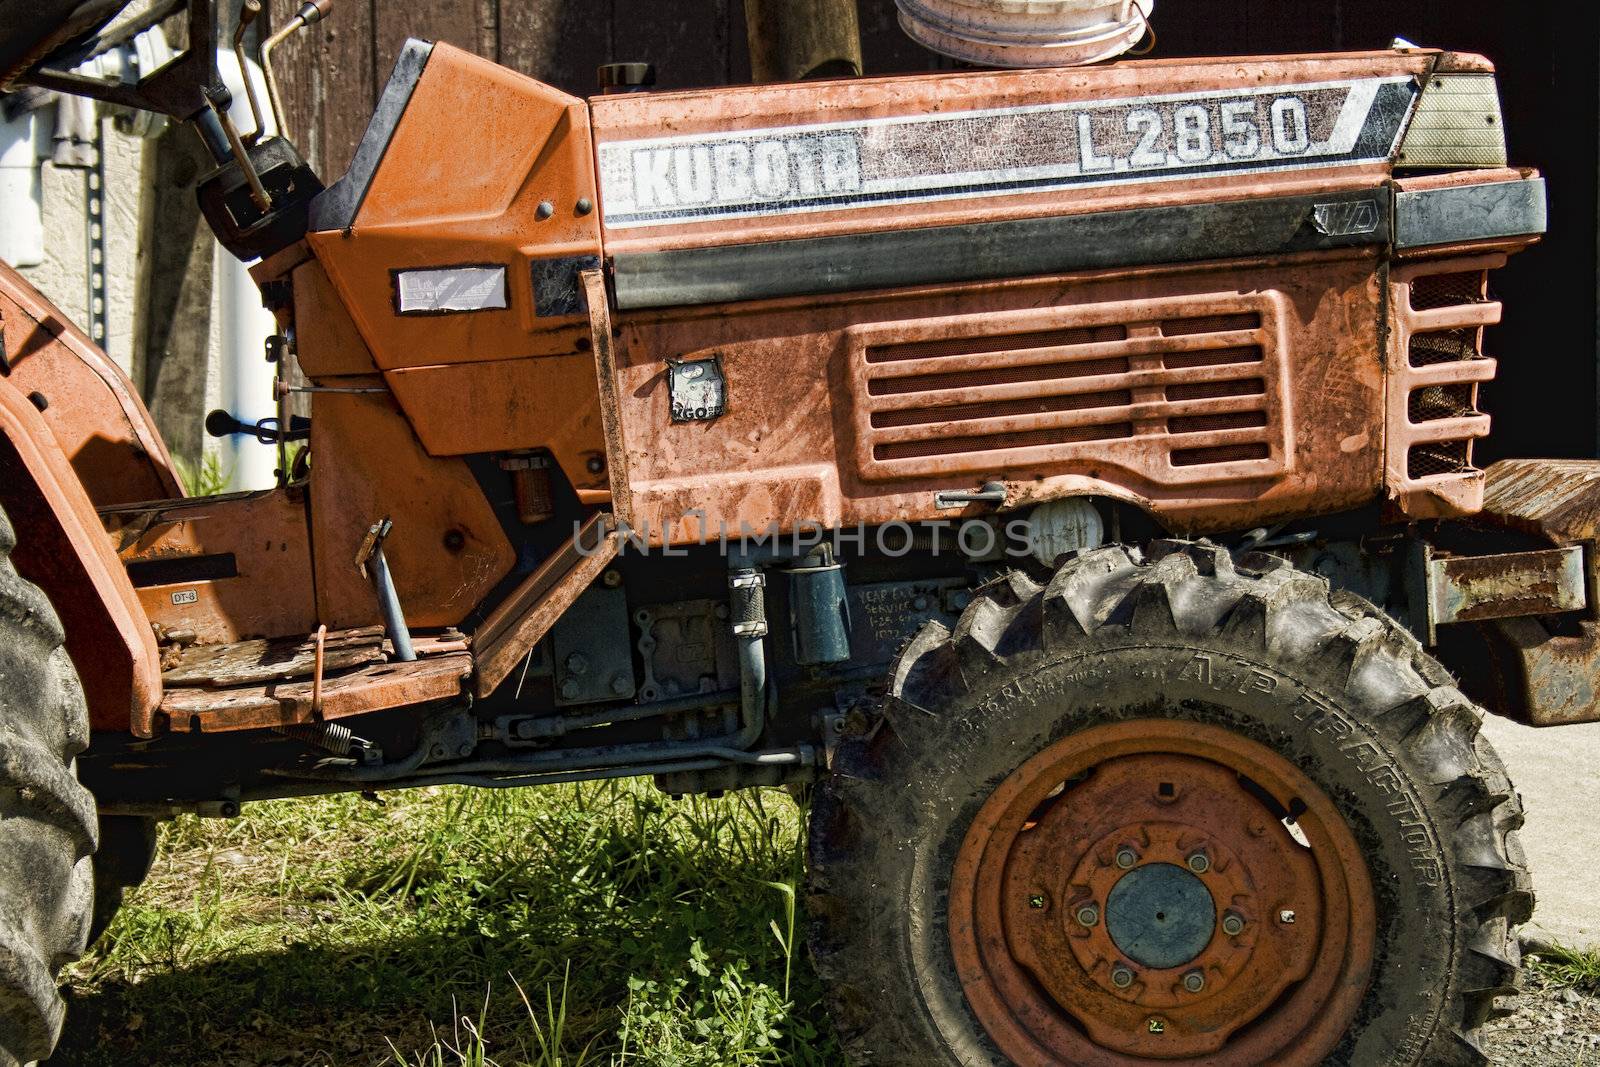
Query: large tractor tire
47,820
122,862
1167,808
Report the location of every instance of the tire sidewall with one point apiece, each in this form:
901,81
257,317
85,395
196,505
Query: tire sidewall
1307,718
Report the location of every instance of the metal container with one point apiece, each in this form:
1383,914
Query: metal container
821,611
1027,33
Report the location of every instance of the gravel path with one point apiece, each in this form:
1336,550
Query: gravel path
1548,1027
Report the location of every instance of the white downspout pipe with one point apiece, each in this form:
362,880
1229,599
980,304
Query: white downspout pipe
245,376
21,194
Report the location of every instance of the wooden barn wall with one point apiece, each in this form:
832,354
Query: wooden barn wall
1545,400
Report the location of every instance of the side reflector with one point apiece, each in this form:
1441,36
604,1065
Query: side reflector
448,289
1457,124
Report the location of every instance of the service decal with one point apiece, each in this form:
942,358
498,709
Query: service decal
704,177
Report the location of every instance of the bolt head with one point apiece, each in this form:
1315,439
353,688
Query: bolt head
620,684
1121,976
612,579
1199,863
1286,917
1194,981
1087,915
576,663
595,465
1232,924
569,689
1126,857
1036,901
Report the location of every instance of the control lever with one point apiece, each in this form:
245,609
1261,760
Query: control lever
991,493
221,424
248,13
310,11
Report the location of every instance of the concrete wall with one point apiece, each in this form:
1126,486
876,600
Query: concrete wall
64,274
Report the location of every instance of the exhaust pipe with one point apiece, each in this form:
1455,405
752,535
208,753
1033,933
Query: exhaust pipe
796,40
1027,33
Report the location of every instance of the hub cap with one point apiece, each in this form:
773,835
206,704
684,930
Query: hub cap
1160,915
1133,892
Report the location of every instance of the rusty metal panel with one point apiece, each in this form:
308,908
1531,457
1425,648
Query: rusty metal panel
447,549
774,163
1474,588
514,190
539,402
278,703
265,536
801,397
1556,499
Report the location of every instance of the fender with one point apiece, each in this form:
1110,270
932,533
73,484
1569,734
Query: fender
63,548
89,405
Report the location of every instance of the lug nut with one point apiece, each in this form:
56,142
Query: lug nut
1126,857
1233,924
1199,863
1194,981
1286,917
1121,976
1088,915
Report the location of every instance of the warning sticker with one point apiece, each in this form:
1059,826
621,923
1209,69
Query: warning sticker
438,290
703,177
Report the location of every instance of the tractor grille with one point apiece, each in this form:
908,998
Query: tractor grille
1177,389
1440,310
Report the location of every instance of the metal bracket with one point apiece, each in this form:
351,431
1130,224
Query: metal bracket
1506,585
991,493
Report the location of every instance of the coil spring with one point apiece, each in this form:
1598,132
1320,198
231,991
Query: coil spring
331,736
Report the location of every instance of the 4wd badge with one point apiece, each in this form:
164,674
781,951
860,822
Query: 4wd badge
697,390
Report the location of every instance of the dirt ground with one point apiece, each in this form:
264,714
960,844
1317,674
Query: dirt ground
1548,1026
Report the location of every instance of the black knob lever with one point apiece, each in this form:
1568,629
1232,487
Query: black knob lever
221,424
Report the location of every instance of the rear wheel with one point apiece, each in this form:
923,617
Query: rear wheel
47,820
122,862
1167,809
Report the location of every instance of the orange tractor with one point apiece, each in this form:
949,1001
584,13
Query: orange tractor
1067,470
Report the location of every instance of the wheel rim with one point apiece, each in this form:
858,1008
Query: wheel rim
1129,895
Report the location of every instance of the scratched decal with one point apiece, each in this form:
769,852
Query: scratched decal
704,177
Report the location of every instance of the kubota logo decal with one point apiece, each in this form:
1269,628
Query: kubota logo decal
702,177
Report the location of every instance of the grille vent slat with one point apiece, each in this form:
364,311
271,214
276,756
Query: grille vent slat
1175,385
1422,392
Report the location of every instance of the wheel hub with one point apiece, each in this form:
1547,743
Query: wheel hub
1123,894
1160,915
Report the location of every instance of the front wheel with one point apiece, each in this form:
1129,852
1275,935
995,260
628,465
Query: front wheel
47,820
1167,809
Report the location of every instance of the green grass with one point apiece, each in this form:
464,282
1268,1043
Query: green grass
1562,966
571,926
207,478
